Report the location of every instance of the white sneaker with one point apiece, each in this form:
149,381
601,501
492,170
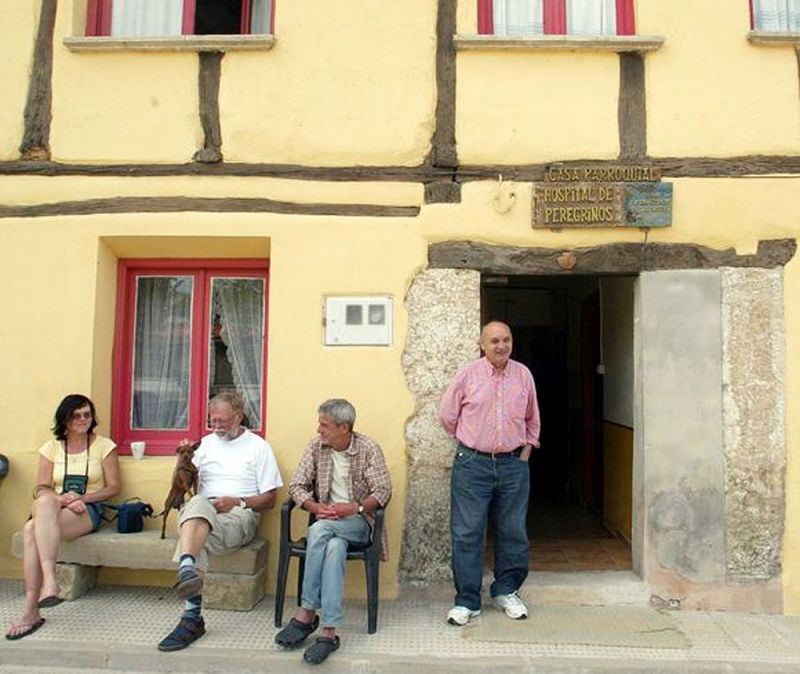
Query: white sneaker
512,605
460,615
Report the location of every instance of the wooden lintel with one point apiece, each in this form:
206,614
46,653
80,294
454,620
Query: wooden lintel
615,258
671,167
208,205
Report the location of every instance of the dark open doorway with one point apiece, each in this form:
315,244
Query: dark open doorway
579,512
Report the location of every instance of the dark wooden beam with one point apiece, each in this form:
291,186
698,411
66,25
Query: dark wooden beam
35,143
632,108
294,172
443,192
671,167
615,258
208,205
208,86
443,144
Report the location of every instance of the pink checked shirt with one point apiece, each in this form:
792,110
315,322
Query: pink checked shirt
490,410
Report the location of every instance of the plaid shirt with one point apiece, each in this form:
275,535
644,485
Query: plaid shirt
368,476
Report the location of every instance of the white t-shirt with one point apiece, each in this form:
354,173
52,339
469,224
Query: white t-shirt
242,467
340,482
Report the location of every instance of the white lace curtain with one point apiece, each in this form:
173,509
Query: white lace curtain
240,304
146,18
260,11
526,17
161,18
162,350
782,16
518,17
592,17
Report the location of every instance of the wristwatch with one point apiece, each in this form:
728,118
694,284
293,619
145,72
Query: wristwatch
360,510
242,503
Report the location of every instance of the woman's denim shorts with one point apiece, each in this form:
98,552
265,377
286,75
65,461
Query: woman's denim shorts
95,512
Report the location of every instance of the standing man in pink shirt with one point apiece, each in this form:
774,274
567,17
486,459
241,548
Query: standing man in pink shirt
491,409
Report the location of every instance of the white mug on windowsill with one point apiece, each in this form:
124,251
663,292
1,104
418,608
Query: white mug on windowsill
137,450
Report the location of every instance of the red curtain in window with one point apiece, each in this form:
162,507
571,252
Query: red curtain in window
189,11
98,18
752,17
626,24
555,17
485,17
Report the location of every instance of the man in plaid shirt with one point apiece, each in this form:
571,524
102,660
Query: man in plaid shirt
342,478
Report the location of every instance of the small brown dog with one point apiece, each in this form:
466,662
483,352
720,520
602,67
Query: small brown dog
184,481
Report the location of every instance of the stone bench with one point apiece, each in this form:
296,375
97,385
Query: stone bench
234,581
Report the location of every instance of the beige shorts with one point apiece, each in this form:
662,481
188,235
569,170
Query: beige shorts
229,531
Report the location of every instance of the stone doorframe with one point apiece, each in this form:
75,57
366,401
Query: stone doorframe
709,455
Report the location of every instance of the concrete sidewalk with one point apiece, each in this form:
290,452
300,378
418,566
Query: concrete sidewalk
117,629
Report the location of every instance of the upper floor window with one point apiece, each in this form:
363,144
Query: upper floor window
775,16
163,18
555,17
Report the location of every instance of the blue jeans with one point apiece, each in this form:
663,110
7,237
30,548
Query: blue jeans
326,558
483,487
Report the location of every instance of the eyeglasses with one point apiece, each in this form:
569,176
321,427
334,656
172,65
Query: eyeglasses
76,416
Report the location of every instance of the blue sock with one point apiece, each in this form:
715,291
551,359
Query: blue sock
186,560
193,607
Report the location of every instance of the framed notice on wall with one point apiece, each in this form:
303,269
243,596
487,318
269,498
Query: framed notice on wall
358,321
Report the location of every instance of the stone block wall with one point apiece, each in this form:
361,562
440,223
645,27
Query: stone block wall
444,327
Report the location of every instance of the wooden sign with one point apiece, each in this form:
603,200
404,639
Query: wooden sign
602,196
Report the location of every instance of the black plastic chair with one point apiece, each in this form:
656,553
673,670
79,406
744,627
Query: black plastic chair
370,553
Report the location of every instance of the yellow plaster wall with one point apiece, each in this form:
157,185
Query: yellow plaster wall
513,106
467,17
28,190
710,92
617,476
365,92
121,106
349,81
19,21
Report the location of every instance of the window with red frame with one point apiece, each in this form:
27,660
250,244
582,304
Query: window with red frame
555,17
186,330
163,18
775,16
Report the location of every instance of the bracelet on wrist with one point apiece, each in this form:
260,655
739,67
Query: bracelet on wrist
39,488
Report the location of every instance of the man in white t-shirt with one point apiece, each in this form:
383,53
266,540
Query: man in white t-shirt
238,479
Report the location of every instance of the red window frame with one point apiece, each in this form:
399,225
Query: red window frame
98,17
555,17
161,442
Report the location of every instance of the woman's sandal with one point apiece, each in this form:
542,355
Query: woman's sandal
295,633
30,628
49,602
317,652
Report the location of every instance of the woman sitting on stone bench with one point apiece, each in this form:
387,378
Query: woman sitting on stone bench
78,471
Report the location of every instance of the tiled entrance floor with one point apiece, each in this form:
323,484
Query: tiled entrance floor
599,554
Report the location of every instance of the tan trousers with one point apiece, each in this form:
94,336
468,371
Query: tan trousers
229,531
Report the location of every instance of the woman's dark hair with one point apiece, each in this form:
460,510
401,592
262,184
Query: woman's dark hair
73,402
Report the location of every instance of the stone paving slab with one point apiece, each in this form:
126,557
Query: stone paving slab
117,628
